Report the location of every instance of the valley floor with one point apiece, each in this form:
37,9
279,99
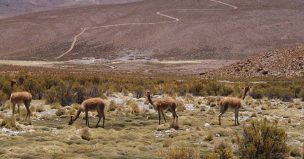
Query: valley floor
133,132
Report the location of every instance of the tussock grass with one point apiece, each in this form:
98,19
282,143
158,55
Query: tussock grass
86,134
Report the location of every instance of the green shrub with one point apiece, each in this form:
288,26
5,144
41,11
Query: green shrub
263,139
51,96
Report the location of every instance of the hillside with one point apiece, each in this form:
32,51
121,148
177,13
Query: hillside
155,29
16,7
283,63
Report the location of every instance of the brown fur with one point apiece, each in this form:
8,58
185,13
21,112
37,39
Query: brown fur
162,104
233,103
18,98
89,105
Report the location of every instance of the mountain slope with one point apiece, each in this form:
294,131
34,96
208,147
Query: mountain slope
282,63
16,7
215,30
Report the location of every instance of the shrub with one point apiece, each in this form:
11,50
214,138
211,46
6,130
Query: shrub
112,106
51,96
3,98
9,122
60,112
224,151
209,138
85,134
182,152
133,107
263,139
295,152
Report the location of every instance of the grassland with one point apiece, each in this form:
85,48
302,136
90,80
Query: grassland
131,129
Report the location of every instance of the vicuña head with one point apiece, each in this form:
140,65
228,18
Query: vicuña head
232,103
165,103
18,98
89,105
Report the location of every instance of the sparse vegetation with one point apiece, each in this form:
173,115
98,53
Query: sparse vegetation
181,152
263,139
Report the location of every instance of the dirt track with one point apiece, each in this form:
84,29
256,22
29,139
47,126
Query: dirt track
220,33
160,13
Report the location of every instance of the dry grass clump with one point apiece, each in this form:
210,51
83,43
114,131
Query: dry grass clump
209,137
296,152
180,106
55,106
9,122
167,143
61,112
40,108
224,151
3,98
180,152
112,106
85,134
133,107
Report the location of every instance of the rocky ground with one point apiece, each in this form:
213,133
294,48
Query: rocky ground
281,62
132,130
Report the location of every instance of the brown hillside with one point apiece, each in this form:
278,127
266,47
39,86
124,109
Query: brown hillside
224,32
282,63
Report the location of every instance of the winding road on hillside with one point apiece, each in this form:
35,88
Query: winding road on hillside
160,13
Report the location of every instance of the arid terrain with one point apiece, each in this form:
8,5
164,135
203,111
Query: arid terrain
155,29
287,62
136,134
192,56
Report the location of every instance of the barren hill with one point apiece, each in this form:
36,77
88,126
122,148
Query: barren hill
283,63
17,7
171,30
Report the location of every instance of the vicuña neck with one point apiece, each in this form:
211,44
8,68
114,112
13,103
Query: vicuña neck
150,100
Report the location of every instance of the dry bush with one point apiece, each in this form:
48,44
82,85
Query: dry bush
133,107
55,106
181,152
209,137
40,108
180,106
295,152
211,155
61,112
167,143
9,122
3,98
263,139
112,106
85,134
224,151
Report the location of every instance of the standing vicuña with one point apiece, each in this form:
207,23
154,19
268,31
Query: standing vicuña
233,103
162,104
89,105
18,98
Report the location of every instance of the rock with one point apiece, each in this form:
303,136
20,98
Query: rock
207,125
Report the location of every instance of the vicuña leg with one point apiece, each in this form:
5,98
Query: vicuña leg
223,109
87,118
162,111
158,116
